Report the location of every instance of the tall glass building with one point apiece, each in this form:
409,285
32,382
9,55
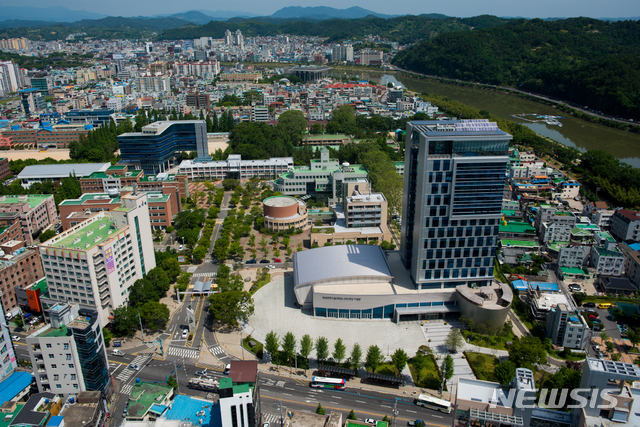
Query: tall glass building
453,184
157,148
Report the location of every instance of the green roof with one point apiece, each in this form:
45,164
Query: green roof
116,168
323,137
588,226
55,332
508,212
5,421
33,199
515,242
568,270
157,197
225,382
604,252
516,227
143,395
243,388
91,196
557,245
153,178
96,175
91,234
577,231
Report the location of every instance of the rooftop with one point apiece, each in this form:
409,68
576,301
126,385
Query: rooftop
516,243
186,408
61,170
33,199
14,384
85,235
516,227
54,332
144,395
479,391
98,197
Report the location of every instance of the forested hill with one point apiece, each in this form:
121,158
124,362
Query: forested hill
587,61
403,29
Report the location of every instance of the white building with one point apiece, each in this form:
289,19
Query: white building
607,262
342,52
555,232
11,77
574,256
8,362
96,262
567,328
568,189
159,83
69,355
259,114
235,167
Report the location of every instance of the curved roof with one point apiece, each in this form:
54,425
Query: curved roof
334,262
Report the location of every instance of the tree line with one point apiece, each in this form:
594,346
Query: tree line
585,61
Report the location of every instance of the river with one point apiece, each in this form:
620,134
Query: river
574,132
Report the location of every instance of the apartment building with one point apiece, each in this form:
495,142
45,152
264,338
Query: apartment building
36,212
8,359
574,256
96,116
156,84
69,354
19,267
567,328
198,100
625,225
607,261
96,262
56,136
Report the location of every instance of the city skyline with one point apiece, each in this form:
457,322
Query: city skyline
459,8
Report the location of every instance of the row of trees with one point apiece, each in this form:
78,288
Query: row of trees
284,351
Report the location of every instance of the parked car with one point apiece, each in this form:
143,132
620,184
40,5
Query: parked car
117,353
181,247
251,261
592,316
277,260
134,367
589,305
598,321
271,267
264,261
202,373
15,338
185,334
227,369
369,421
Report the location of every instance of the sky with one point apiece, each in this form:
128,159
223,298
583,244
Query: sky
460,8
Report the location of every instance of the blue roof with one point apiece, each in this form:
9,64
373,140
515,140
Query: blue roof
55,421
186,408
520,285
157,409
635,246
573,319
12,386
545,286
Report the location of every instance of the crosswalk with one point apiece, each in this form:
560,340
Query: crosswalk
212,274
126,390
188,353
128,372
273,383
216,350
271,418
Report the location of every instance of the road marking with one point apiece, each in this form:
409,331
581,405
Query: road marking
337,397
409,410
360,401
335,403
288,388
385,406
437,416
375,414
287,394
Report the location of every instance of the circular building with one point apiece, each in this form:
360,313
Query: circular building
284,212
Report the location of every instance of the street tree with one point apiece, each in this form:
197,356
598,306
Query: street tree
231,307
447,368
603,336
352,415
374,358
527,351
320,410
291,125
154,315
454,340
356,356
322,349
306,345
399,360
125,321
289,346
339,350
46,235
271,343
505,371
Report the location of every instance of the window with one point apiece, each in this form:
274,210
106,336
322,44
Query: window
48,345
51,356
71,365
73,376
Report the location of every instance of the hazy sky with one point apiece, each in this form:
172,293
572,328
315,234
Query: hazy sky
461,8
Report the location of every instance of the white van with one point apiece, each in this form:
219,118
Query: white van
227,369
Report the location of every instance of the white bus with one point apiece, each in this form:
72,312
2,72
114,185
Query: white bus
334,383
434,403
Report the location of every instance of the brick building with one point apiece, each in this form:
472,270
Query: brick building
36,212
5,169
18,267
47,136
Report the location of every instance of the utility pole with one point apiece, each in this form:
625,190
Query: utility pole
175,369
395,411
241,344
295,351
141,330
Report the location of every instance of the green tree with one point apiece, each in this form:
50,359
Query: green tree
339,350
171,382
271,343
107,336
125,321
527,351
352,416
447,368
291,125
18,321
322,349
343,120
316,129
505,371
306,345
399,360
454,340
289,346
320,410
46,235
154,315
374,358
356,356
231,307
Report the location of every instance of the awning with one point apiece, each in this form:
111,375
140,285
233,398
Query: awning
403,311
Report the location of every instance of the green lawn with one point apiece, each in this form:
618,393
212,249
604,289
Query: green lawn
253,346
483,365
490,341
428,376
387,368
575,357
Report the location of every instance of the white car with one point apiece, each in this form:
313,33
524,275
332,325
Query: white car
134,367
15,338
185,334
181,247
271,267
369,421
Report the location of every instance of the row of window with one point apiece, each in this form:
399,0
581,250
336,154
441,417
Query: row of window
458,273
442,243
459,263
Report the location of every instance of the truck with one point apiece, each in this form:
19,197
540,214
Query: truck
203,384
